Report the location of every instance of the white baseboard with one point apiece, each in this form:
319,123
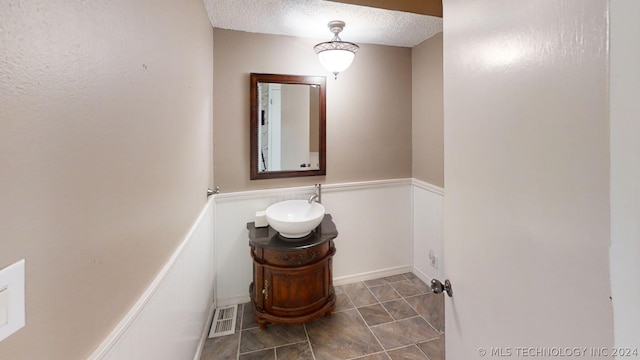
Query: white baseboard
422,276
205,332
234,300
343,280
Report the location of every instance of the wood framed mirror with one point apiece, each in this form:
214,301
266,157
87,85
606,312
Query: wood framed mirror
288,126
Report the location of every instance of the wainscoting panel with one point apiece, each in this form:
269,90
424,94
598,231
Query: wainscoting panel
385,227
427,230
373,220
169,321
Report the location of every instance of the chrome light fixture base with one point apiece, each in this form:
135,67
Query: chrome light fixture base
336,55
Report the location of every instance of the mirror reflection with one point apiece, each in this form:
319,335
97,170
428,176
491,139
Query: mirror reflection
288,136
287,126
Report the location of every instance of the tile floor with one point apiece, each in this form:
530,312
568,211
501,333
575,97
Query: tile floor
391,318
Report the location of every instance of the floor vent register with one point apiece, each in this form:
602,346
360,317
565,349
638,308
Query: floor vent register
224,321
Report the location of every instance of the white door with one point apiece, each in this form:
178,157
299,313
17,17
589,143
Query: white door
295,126
526,178
624,63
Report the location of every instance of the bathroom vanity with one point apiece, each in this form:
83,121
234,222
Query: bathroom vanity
292,278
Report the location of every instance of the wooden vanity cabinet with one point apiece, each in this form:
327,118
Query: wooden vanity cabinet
292,280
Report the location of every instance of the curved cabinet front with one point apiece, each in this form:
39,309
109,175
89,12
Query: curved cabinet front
293,281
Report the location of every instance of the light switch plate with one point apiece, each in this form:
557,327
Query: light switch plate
12,280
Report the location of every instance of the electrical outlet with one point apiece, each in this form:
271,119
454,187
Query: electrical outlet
12,309
433,259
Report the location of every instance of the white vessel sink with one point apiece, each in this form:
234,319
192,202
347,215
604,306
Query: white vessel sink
295,218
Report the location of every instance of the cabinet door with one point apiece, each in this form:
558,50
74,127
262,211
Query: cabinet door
259,289
297,291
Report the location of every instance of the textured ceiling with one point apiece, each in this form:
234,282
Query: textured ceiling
309,18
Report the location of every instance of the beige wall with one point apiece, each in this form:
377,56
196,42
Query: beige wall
428,111
105,123
368,108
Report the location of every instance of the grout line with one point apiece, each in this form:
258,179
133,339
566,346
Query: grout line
240,332
386,282
276,346
367,288
423,318
401,347
364,321
425,354
313,355
255,351
406,346
369,327
367,355
416,345
348,298
387,311
431,339
283,345
395,321
392,289
433,327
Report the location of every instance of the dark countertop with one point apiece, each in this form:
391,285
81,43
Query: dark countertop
267,237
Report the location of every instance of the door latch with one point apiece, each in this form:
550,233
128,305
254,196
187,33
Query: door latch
437,287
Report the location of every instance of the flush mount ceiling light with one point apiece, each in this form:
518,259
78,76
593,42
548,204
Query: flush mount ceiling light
336,55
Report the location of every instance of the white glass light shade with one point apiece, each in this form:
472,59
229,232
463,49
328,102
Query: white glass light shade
336,55
336,61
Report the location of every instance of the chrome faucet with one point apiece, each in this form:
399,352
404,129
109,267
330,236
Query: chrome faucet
317,192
